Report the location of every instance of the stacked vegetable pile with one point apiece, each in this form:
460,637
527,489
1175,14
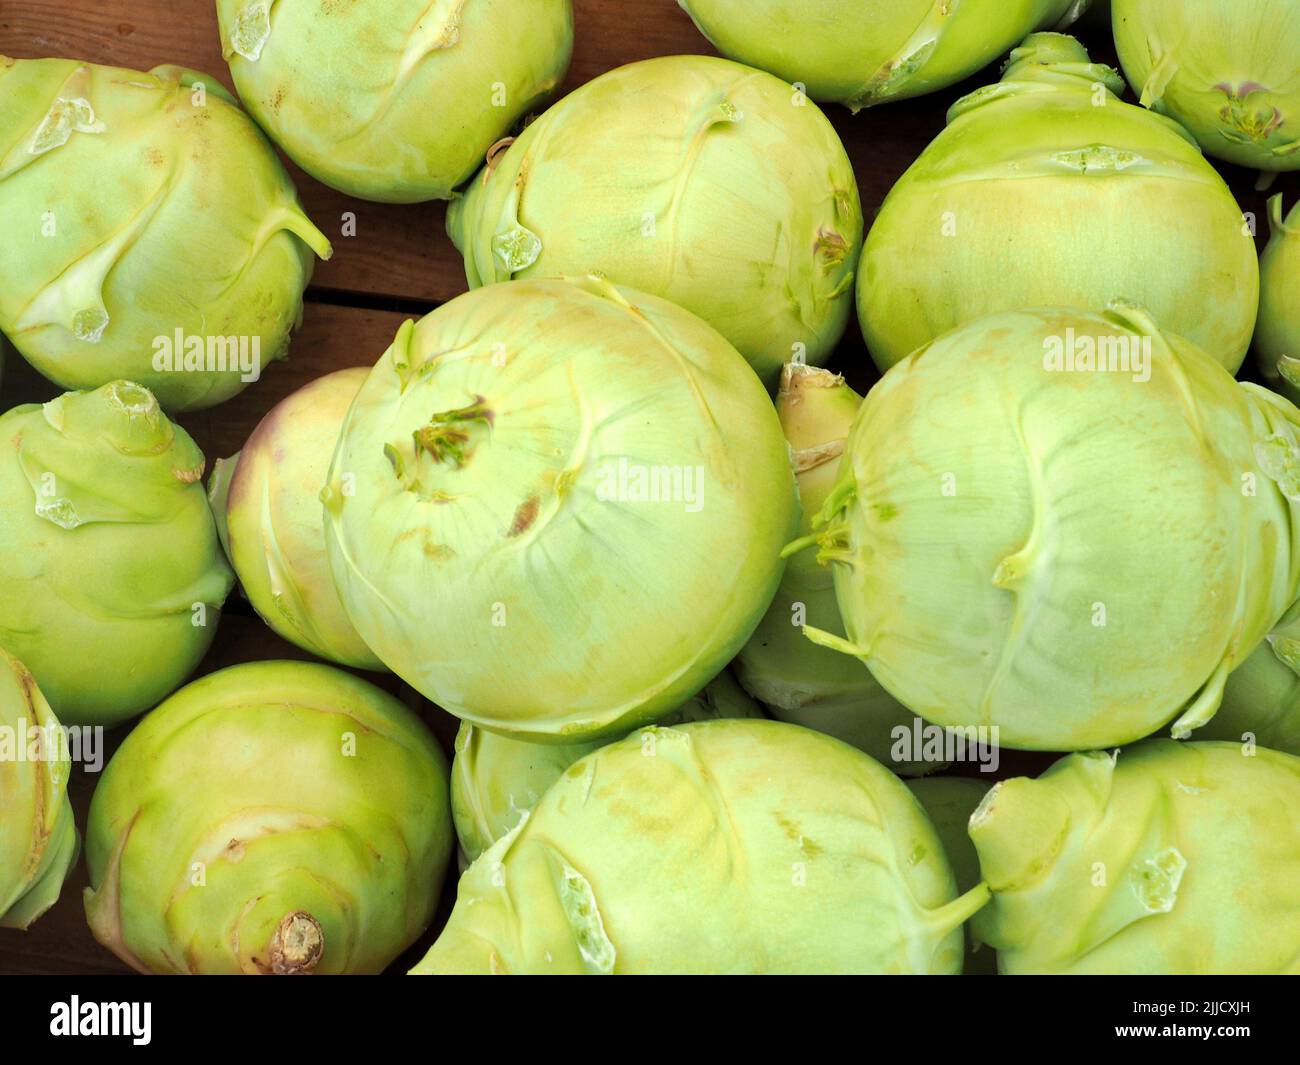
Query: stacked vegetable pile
732,646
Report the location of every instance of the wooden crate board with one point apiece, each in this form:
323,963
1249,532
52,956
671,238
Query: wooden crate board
400,264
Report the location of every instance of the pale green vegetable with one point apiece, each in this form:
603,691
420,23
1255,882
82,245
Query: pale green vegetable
393,100
712,185
1010,529
867,52
151,232
496,781
268,498
1225,69
1045,189
1162,859
1261,701
794,678
557,507
275,817
38,839
721,847
111,573
1277,337
949,803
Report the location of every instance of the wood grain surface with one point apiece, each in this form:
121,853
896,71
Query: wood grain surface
399,264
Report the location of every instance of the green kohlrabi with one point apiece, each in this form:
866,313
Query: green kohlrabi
1225,69
1277,337
557,507
1046,189
867,52
949,803
267,501
111,573
734,846
274,818
150,231
704,182
797,680
1011,530
38,839
1261,701
1165,859
496,781
393,100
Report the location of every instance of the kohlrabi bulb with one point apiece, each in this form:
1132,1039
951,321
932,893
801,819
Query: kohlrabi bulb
704,182
150,232
1046,189
1277,336
1162,859
1261,701
393,100
111,573
949,803
38,839
275,817
721,847
867,52
797,680
268,498
557,507
1225,69
1066,526
496,781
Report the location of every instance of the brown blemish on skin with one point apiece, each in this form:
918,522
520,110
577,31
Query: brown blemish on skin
494,154
190,476
525,515
42,830
795,834
788,827
26,682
